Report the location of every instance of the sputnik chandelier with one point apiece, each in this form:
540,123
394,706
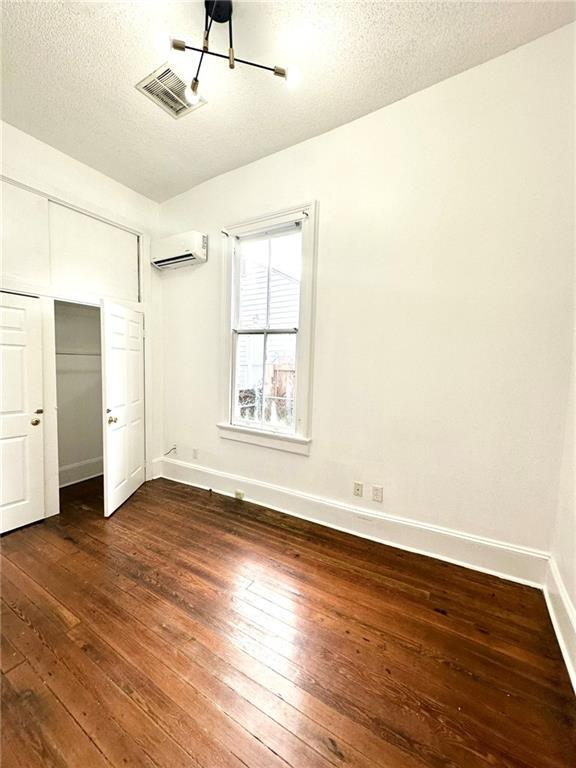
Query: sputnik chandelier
219,11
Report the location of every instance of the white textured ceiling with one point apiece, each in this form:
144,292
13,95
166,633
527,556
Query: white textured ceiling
69,70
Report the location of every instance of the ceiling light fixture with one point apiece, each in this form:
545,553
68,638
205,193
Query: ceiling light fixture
221,12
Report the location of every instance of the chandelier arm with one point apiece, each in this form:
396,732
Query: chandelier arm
231,57
205,43
223,56
205,48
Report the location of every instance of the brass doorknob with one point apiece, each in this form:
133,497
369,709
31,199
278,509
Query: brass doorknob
35,422
112,419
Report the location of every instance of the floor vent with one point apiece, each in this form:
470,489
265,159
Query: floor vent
167,90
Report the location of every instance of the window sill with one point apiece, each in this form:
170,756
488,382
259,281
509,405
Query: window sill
274,440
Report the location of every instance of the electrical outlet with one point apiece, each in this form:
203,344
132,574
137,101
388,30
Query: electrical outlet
238,494
378,493
358,489
194,453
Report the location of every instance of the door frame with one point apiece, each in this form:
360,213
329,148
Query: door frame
51,462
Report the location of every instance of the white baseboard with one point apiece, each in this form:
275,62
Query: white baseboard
81,470
563,615
516,563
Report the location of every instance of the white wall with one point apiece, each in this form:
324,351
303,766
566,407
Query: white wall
79,391
36,164
443,306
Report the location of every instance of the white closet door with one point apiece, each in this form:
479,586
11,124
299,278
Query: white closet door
123,403
25,240
90,258
21,416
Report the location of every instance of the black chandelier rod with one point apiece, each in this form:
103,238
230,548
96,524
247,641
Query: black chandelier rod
207,28
277,70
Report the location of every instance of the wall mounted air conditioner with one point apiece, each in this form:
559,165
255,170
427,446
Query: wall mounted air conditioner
179,250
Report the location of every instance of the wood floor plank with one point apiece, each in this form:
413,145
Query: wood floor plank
238,534
124,734
193,629
135,644
177,721
442,636
173,622
21,744
432,619
294,753
407,566
11,657
57,612
55,737
257,638
413,706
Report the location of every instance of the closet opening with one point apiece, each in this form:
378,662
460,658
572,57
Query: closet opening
79,400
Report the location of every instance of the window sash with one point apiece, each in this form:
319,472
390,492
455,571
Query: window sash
263,235
236,296
260,424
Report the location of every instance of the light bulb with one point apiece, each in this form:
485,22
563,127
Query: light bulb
292,77
192,97
177,44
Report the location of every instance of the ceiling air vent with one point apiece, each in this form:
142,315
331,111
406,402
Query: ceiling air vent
167,90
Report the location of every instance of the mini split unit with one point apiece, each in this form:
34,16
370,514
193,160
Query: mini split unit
179,250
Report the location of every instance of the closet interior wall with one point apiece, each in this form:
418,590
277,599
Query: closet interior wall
79,391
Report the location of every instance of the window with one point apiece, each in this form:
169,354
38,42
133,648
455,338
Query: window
268,358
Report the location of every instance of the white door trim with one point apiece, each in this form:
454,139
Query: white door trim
51,472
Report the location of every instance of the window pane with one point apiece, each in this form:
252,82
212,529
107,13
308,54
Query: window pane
285,273
253,288
279,382
247,406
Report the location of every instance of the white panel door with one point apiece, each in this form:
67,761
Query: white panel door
123,403
21,419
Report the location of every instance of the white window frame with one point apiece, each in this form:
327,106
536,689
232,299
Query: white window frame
299,441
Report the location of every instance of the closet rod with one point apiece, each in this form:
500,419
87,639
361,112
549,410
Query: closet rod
80,354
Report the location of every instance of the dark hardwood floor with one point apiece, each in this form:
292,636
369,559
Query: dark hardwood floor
194,630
